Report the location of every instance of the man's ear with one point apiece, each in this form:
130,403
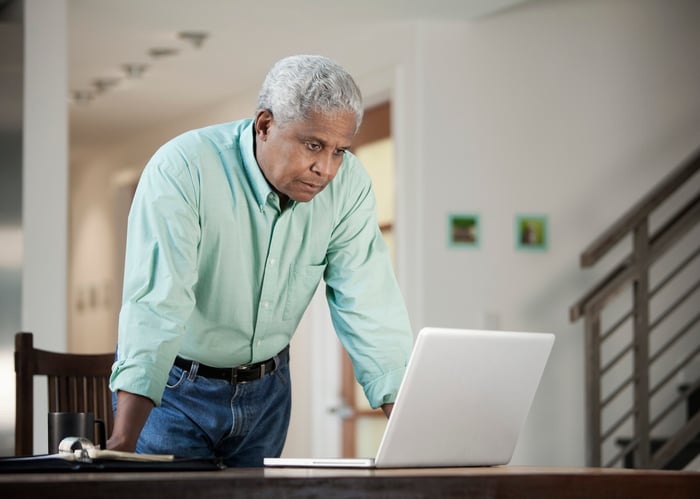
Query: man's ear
263,121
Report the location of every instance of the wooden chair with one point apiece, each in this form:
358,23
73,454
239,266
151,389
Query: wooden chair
76,383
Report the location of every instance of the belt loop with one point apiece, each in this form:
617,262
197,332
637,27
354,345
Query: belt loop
276,361
193,371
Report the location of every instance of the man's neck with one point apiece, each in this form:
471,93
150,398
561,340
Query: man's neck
284,201
283,198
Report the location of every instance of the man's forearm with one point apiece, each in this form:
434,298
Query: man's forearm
387,408
131,416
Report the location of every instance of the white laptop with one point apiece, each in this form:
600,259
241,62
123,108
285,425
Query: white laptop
463,401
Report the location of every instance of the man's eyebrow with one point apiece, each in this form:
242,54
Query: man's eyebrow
313,138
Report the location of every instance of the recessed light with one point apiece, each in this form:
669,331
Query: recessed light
134,70
196,38
103,84
163,52
82,96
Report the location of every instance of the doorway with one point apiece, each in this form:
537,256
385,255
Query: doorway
362,426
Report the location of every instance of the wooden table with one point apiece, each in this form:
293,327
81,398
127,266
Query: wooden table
482,483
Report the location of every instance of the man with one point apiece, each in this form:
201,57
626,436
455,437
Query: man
231,229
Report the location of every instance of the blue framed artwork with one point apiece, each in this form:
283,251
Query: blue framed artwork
463,230
531,232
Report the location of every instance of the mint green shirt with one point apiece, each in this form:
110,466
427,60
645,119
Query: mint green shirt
216,272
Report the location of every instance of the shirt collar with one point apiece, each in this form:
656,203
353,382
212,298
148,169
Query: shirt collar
259,184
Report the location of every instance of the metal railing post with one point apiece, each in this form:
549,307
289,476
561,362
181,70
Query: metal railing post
642,452
593,408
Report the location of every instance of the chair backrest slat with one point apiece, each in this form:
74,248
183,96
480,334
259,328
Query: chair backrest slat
75,383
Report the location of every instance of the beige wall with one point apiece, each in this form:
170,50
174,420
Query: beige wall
572,109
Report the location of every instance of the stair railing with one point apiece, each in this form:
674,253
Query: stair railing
632,276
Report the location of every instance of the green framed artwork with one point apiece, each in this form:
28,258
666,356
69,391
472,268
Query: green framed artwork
463,230
531,232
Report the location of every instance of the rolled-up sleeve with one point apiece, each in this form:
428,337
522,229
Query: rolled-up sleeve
367,309
159,275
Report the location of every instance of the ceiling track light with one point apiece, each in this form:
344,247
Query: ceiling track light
195,38
104,84
82,96
159,52
134,70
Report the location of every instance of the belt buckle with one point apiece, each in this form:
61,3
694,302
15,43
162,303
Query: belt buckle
234,374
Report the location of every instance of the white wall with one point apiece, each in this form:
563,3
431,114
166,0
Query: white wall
45,172
573,109
45,186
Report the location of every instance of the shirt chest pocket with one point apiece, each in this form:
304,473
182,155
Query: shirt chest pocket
301,286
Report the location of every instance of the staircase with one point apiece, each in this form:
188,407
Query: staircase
642,331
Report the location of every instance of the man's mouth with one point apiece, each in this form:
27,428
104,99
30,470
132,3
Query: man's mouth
315,187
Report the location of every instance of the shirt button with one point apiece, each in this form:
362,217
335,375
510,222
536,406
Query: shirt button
272,261
266,304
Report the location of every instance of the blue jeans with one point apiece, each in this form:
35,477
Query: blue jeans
204,418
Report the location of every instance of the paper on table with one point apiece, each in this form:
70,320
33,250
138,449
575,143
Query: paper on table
122,456
87,455
82,449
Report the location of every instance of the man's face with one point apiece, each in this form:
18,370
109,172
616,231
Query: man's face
300,158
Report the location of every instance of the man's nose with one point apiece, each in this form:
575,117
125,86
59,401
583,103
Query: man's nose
324,165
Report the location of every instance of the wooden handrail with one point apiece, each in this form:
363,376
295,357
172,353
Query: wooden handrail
677,442
632,275
626,270
626,223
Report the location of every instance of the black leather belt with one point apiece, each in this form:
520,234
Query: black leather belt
235,375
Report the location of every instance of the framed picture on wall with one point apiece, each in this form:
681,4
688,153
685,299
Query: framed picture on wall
463,230
531,232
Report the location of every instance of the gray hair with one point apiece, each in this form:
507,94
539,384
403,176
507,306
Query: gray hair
299,85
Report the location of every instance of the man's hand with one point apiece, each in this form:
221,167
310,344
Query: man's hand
387,408
132,413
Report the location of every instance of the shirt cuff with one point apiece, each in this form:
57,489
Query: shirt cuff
383,390
139,380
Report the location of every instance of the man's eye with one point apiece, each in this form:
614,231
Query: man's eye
340,152
313,146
